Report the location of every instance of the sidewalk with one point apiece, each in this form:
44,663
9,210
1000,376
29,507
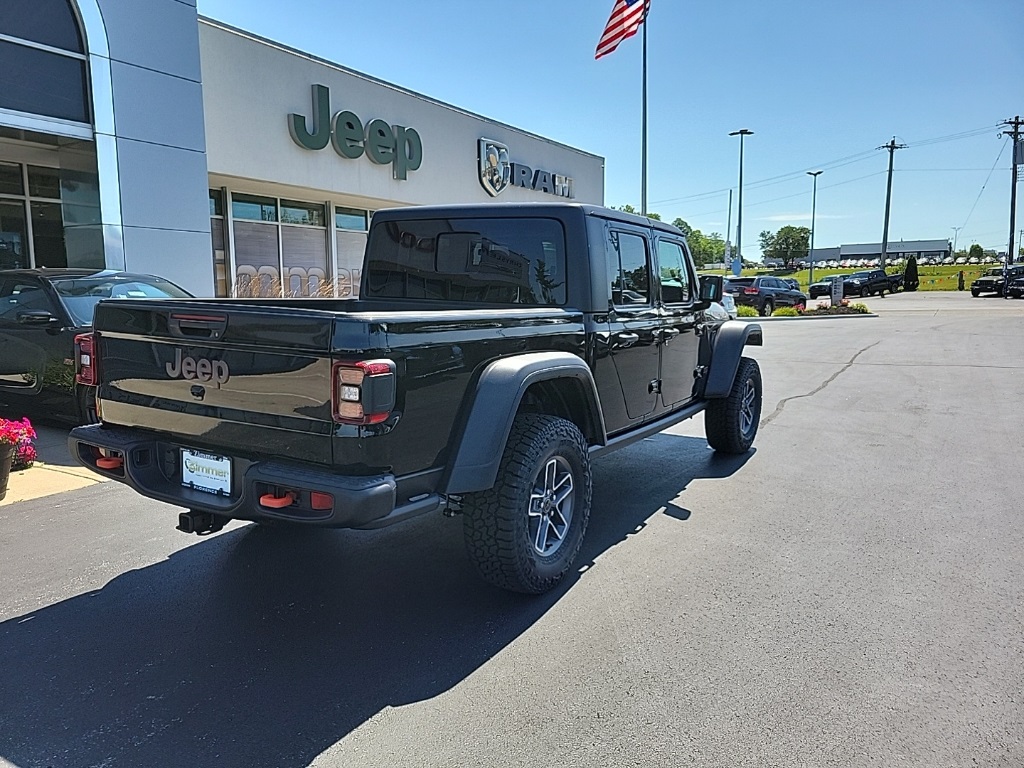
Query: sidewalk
54,472
46,480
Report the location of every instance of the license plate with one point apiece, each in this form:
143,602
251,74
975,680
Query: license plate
206,472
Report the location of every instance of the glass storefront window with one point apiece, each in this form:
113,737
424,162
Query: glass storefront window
350,218
13,235
43,83
10,179
43,182
253,208
302,213
216,202
50,22
48,235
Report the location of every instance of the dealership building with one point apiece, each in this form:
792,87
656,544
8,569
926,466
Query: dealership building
159,142
902,249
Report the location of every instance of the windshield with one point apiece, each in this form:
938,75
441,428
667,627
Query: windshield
997,272
861,274
81,295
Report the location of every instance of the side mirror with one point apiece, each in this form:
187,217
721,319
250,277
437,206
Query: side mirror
37,317
711,289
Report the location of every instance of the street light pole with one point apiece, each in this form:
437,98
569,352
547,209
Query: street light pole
956,231
739,206
814,206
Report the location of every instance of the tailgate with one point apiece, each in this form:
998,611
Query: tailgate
250,380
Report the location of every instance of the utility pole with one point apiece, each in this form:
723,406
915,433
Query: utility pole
956,231
892,146
1016,159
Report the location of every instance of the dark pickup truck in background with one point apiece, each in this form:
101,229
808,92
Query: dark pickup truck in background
493,352
870,282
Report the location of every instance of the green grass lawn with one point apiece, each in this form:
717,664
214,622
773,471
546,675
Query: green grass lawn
942,278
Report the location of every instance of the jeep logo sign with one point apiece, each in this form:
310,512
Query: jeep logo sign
497,172
384,144
197,369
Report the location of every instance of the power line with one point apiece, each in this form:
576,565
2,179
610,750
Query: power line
832,165
1001,150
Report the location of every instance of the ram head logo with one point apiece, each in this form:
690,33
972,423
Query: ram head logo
495,167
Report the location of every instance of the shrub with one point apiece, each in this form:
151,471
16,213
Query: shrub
744,311
19,434
910,278
860,309
786,312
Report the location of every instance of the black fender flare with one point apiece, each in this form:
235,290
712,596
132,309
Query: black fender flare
730,340
479,444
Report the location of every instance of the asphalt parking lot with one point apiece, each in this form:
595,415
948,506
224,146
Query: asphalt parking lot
847,594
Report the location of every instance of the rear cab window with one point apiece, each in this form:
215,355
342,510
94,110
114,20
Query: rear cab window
511,261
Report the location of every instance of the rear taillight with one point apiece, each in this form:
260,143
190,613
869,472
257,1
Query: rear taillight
86,371
750,290
363,391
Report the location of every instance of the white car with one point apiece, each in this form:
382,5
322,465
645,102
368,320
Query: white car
729,304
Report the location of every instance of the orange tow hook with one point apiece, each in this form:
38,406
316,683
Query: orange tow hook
277,502
110,462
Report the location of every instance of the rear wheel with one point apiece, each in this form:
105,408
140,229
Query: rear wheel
731,423
767,308
524,533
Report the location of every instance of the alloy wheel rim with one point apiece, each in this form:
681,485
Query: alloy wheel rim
551,506
747,407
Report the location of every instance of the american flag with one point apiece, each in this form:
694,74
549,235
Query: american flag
626,18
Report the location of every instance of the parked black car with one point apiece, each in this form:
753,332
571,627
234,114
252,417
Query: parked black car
765,294
1015,290
823,287
992,280
41,312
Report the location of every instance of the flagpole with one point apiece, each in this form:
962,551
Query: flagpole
643,162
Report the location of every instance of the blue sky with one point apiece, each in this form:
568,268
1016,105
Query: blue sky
822,84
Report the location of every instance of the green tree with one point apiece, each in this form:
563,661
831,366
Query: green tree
910,278
682,225
976,252
789,243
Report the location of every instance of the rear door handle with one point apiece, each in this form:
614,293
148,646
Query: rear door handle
623,340
669,333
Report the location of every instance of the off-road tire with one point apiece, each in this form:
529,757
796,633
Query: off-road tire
729,423
496,523
975,293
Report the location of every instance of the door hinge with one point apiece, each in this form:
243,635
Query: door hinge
654,387
699,371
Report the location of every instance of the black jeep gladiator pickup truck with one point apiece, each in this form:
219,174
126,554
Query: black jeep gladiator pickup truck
494,350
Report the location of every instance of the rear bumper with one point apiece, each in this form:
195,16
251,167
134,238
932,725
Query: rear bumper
151,464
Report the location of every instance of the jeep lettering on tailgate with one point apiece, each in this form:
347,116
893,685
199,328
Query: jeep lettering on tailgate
197,368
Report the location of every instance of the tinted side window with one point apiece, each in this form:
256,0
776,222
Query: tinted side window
495,261
629,274
17,296
675,278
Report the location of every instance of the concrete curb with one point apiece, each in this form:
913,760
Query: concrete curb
41,480
807,317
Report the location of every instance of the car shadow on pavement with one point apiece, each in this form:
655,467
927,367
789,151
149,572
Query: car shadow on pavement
266,646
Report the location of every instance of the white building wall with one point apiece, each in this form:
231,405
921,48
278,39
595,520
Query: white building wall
250,86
